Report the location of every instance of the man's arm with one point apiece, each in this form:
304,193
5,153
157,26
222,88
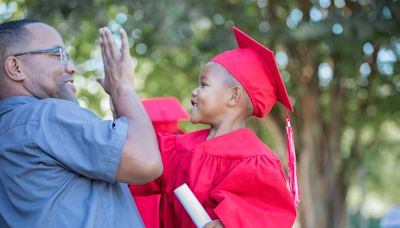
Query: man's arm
140,159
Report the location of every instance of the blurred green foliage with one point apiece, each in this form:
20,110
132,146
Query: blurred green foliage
340,55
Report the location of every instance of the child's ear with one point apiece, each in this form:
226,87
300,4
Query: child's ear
12,67
235,96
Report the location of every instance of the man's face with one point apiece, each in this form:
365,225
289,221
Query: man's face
46,75
209,100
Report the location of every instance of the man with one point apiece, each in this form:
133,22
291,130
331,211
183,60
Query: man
60,165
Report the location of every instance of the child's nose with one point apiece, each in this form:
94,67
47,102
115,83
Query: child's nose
194,92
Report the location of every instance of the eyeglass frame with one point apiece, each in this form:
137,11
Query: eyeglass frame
64,56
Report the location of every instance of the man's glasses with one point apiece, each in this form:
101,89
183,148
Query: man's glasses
58,52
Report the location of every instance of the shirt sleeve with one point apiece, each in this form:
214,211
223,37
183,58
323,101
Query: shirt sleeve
80,141
254,194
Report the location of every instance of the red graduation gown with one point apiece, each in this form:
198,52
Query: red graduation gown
236,178
148,207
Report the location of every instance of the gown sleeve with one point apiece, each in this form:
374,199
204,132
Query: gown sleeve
253,193
166,143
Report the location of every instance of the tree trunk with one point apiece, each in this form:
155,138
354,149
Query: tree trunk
313,206
321,173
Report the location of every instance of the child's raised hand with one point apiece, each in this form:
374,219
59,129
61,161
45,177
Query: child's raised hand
214,224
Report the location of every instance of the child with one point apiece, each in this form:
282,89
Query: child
235,176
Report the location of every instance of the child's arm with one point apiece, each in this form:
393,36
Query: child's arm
254,194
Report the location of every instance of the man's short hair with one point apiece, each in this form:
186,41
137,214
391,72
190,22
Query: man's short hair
12,34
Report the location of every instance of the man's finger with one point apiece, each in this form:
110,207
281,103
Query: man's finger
114,52
106,45
105,53
124,44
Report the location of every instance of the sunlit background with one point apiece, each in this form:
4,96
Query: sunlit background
339,60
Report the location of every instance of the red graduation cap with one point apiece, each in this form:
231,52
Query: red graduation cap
165,113
254,66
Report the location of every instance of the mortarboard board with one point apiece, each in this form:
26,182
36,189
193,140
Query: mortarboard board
165,113
164,109
254,66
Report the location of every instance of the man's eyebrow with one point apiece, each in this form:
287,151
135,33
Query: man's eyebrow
58,46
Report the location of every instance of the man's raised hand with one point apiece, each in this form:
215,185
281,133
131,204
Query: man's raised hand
118,64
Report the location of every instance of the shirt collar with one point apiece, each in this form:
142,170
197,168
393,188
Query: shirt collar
11,103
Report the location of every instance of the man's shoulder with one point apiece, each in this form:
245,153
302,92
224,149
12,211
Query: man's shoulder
58,102
30,103
60,106
45,112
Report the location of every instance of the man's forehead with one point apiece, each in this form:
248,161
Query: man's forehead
44,36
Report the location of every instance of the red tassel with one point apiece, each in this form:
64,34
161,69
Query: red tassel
292,168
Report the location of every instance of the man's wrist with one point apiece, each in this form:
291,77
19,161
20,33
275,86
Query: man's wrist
121,90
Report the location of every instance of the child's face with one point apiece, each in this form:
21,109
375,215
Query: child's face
210,98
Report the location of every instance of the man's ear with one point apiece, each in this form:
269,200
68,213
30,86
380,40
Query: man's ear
12,67
235,96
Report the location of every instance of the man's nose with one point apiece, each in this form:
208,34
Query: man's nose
70,67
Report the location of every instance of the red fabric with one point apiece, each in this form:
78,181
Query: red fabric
254,66
235,177
148,207
165,110
292,169
167,127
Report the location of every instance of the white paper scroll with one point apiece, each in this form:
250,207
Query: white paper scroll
192,205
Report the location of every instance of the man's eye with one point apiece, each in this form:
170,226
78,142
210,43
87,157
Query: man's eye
56,54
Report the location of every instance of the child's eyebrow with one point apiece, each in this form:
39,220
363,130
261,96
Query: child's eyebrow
203,77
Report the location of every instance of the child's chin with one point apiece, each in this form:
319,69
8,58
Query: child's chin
194,121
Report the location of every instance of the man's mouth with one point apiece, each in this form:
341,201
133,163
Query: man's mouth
194,103
70,84
69,80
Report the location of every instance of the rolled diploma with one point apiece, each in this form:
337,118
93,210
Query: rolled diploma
192,205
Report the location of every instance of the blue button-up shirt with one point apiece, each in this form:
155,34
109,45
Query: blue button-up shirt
58,164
